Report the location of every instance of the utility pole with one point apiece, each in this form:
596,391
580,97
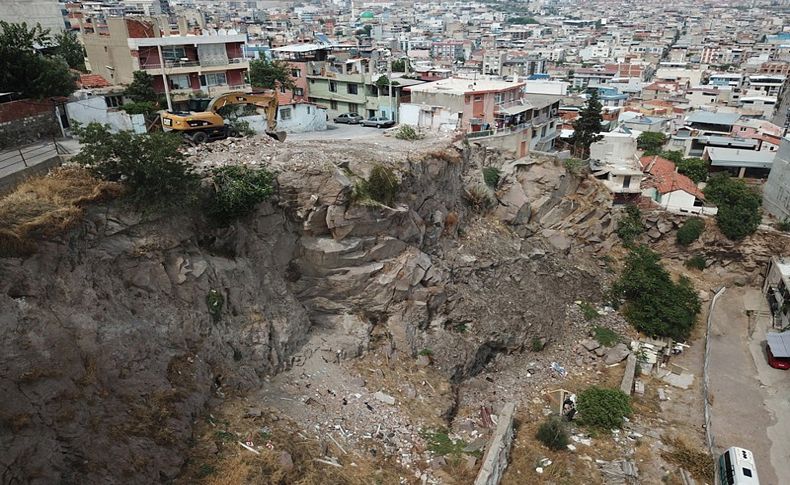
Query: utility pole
164,78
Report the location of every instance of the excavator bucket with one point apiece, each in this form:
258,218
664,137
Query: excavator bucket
277,135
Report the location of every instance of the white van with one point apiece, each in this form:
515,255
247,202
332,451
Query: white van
736,467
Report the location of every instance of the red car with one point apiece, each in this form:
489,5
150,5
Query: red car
777,362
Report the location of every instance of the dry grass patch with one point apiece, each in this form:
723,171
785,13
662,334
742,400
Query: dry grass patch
685,455
47,206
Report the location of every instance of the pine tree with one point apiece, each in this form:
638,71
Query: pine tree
587,127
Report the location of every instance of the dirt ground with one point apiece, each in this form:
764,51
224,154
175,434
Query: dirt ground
749,402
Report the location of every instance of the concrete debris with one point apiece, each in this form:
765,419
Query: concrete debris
619,472
590,344
616,354
385,398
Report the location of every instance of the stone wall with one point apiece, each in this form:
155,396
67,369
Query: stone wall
25,121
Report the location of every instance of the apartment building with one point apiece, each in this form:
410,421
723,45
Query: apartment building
211,63
303,59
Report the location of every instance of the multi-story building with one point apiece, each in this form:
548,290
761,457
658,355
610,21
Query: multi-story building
211,63
48,13
303,59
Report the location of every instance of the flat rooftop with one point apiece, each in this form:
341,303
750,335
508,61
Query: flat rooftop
459,87
734,157
711,118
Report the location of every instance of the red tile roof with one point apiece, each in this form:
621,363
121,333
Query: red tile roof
93,81
665,179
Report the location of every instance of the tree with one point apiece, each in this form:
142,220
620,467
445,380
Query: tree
655,305
587,127
739,212
24,70
694,168
150,165
674,156
69,48
629,225
141,89
690,231
271,74
237,191
522,21
651,142
400,65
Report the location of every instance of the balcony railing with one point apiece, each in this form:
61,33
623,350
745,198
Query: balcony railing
498,131
206,63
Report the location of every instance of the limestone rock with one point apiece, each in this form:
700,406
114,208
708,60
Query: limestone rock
616,354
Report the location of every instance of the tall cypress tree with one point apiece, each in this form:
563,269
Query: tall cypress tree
587,127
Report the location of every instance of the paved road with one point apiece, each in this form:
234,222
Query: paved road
750,404
338,132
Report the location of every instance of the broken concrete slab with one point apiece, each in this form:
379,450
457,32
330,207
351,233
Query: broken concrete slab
496,457
385,398
682,380
628,378
590,344
616,354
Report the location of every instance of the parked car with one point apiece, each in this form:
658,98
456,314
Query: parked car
378,122
348,118
777,362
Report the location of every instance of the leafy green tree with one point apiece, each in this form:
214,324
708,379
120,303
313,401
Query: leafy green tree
150,166
674,156
739,212
603,408
694,168
587,127
400,65
238,190
655,305
271,74
23,70
651,142
70,49
522,21
141,89
629,225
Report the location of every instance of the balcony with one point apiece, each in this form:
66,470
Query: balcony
186,67
207,91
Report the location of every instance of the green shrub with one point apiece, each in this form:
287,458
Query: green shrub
149,165
784,226
214,302
381,187
553,434
480,198
603,408
537,344
574,166
606,337
656,305
425,352
738,203
589,311
629,225
696,262
237,190
407,132
491,176
651,142
690,231
146,108
439,442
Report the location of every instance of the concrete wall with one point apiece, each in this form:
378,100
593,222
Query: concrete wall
44,12
25,121
111,51
433,118
614,149
776,191
304,118
496,457
91,110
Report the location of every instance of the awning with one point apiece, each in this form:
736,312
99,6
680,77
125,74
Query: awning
514,110
779,343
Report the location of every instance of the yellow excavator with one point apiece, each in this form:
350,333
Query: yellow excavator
203,122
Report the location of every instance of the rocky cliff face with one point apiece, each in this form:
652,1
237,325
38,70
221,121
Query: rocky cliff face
116,336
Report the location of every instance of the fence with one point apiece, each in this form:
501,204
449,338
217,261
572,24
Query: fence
27,156
706,398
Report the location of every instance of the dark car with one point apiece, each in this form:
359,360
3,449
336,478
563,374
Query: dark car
348,118
777,362
378,122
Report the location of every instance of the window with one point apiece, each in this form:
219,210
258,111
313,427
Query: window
298,92
309,110
626,181
743,128
332,87
113,101
296,73
352,108
282,89
213,79
478,98
285,113
746,472
312,81
173,53
351,88
179,81
332,104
